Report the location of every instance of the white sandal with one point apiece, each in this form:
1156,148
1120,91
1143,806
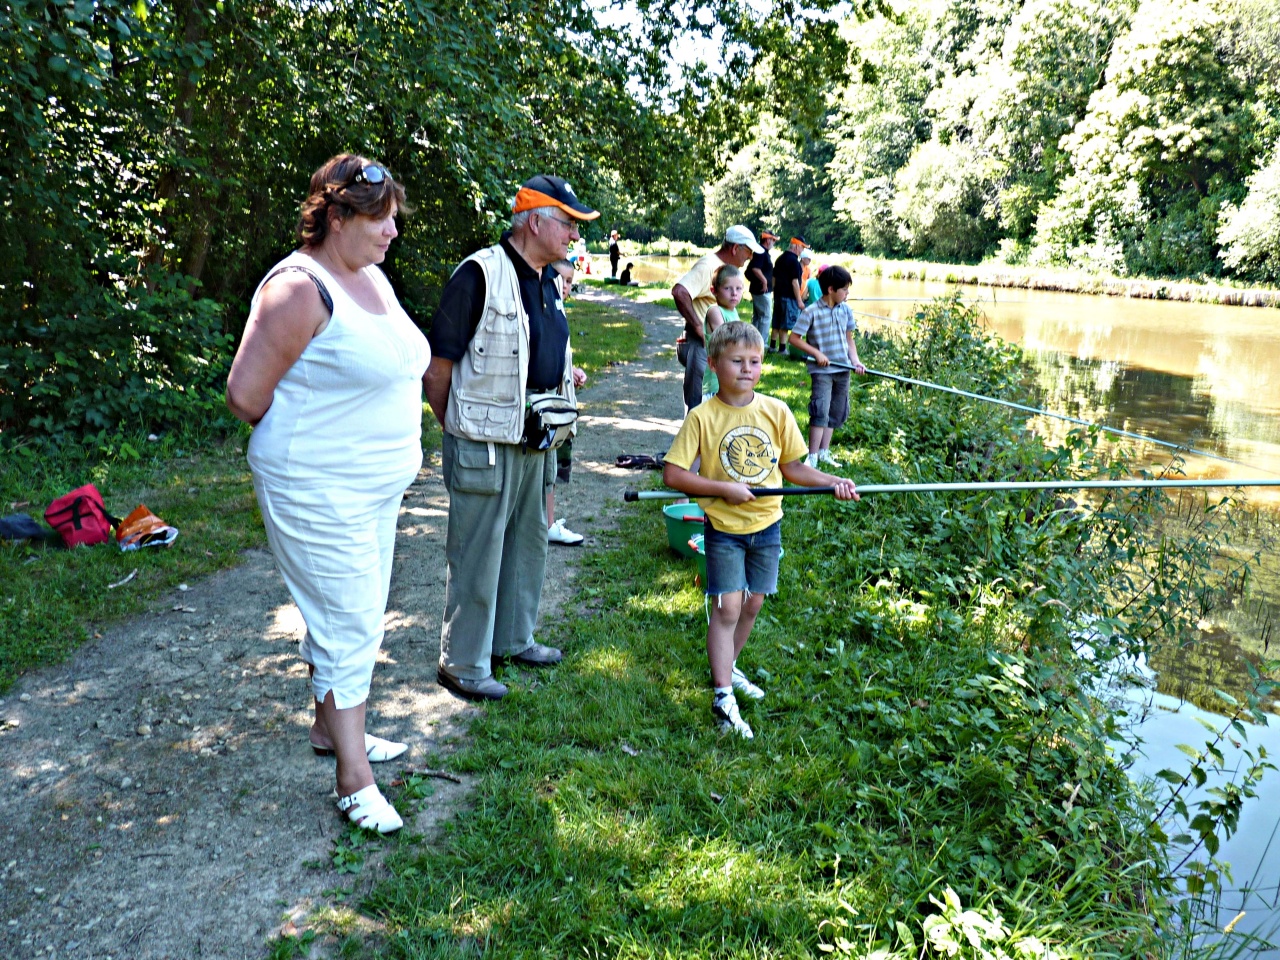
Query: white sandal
369,809
375,748
379,750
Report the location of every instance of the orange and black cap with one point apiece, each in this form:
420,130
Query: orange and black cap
545,191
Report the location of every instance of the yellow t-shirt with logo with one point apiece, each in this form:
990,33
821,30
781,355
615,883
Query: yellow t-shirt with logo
740,445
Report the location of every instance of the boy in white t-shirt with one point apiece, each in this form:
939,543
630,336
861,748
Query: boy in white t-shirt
740,439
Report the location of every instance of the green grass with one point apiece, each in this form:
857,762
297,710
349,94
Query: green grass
601,336
922,734
53,599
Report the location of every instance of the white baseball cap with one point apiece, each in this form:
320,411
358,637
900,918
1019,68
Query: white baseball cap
806,254
740,234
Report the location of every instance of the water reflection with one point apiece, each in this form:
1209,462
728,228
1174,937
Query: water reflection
1254,850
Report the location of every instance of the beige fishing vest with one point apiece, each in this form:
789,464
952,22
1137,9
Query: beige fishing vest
487,392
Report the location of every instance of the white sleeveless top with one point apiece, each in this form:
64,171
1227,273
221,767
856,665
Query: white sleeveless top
349,411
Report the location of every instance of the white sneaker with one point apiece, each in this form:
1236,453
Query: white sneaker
812,460
744,686
824,456
559,533
725,711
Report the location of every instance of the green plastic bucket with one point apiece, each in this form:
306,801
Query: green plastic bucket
795,353
683,521
695,543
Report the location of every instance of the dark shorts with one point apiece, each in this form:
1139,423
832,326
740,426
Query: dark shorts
786,312
828,399
564,461
742,561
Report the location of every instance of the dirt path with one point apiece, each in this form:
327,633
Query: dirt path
160,797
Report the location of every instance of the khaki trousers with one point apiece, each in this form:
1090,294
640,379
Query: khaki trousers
495,550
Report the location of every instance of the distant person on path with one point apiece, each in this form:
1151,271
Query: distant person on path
499,338
740,439
582,259
760,279
557,532
788,292
625,278
693,296
330,374
825,331
615,253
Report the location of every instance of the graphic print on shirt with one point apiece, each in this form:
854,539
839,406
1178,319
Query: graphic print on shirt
747,454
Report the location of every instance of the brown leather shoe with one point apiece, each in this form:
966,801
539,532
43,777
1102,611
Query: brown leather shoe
536,655
485,688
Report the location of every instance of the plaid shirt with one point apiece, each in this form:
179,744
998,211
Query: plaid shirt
826,327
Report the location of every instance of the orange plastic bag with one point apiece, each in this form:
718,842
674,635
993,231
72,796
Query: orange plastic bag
142,528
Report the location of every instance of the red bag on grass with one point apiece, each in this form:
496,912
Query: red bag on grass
81,517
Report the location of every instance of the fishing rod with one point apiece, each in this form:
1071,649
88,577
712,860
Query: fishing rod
631,496
992,299
1046,413
877,316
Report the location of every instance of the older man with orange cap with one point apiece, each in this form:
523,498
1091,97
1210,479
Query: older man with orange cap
499,340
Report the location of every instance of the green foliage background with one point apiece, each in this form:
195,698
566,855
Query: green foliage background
154,156
1113,136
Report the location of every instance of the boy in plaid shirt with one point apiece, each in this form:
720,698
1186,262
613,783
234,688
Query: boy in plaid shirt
825,332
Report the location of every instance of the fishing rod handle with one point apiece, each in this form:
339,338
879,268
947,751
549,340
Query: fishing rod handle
631,496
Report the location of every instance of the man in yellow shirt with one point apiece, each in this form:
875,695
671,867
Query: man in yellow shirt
693,296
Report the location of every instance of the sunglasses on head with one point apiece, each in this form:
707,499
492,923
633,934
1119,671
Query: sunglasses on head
372,173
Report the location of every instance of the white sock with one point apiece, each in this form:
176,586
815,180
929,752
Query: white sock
724,692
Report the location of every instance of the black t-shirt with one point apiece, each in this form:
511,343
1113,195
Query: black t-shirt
764,263
784,271
462,303
614,249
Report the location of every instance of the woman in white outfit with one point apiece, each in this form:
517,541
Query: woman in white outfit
330,375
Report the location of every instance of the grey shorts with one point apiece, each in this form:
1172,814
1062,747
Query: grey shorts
829,399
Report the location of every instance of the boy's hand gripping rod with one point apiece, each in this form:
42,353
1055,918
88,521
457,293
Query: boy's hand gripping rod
631,496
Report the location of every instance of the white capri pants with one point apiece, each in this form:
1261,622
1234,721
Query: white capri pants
334,548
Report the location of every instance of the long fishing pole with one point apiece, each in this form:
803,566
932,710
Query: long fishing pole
926,299
877,316
631,496
1046,413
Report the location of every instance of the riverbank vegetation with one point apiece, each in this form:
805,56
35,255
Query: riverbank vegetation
931,771
1120,137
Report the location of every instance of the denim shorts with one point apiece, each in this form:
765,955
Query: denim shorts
742,561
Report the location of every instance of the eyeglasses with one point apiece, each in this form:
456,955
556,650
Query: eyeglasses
572,225
368,174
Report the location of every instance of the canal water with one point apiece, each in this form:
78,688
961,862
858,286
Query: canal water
1203,375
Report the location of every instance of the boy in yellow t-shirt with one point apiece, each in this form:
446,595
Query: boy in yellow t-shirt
744,440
